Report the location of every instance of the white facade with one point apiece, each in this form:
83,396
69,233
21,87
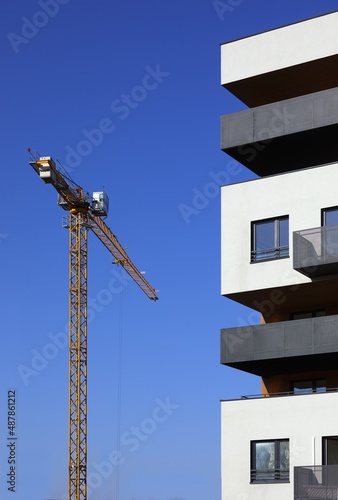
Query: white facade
275,50
303,419
295,349
301,195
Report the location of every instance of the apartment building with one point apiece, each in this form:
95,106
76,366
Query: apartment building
279,256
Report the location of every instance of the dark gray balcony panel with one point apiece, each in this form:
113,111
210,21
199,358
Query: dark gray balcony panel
315,251
316,481
284,136
287,346
267,349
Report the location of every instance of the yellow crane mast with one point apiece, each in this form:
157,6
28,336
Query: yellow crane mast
84,213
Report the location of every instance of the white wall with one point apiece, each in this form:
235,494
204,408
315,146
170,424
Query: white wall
301,195
304,420
273,50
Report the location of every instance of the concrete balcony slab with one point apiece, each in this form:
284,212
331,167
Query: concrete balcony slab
282,63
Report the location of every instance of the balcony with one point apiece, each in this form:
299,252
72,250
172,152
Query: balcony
315,251
284,135
267,349
266,67
316,481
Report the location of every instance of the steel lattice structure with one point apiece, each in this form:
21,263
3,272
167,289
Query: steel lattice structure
77,428
83,215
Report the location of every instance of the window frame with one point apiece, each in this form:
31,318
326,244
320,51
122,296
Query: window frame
317,313
324,212
274,253
329,242
325,449
314,386
277,476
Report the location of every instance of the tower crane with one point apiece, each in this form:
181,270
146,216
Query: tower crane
85,213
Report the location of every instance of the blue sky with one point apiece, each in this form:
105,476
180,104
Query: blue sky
127,96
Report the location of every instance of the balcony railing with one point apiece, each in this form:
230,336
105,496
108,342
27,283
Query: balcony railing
269,476
289,393
268,348
270,254
316,481
315,251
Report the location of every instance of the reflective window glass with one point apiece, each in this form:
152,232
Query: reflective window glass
270,461
270,239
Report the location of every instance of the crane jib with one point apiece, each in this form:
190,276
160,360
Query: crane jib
85,212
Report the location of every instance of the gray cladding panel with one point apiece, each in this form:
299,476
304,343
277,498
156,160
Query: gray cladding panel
237,343
297,115
326,335
291,129
276,339
273,341
298,335
280,118
325,108
238,128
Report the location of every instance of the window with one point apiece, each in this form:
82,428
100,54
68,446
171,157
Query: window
330,221
330,450
308,314
270,461
309,386
270,239
330,216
